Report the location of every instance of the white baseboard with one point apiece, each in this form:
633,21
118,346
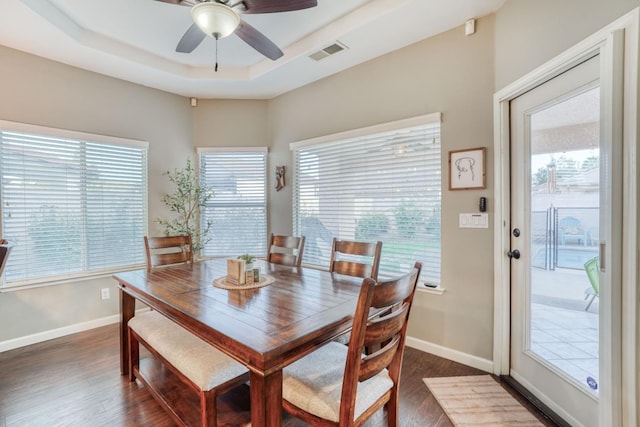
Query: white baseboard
448,353
60,332
438,350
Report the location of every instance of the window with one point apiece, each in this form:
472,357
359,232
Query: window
73,204
380,183
238,208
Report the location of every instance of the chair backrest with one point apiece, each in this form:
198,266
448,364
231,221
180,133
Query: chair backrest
355,263
5,249
286,250
168,250
592,267
569,222
386,333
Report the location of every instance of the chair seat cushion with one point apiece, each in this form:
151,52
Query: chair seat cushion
202,363
314,383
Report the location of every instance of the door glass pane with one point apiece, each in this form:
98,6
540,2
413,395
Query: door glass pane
564,217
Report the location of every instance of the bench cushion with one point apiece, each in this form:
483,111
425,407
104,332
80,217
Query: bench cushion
202,363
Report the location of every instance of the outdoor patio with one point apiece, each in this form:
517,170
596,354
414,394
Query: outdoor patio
562,331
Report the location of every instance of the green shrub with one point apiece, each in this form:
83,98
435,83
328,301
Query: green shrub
409,219
372,226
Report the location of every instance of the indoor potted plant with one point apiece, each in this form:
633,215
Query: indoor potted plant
248,260
188,197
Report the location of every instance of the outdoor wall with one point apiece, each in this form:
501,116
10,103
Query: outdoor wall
449,73
46,93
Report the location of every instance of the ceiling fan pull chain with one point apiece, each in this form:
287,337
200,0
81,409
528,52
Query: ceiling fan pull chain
216,67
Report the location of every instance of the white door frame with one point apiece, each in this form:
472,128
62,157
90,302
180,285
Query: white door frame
619,55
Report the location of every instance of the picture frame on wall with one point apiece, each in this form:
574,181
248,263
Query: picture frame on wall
467,169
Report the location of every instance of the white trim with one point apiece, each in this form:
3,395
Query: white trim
548,402
40,283
26,340
438,290
502,239
369,130
428,347
200,150
625,389
630,365
450,354
72,134
610,325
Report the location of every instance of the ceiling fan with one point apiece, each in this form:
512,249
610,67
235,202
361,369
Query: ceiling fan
220,18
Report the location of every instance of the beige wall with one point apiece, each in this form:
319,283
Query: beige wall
231,123
449,73
530,33
38,91
240,123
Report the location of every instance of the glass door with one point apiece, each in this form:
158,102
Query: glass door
556,192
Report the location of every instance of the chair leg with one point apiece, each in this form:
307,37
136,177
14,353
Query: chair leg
590,302
208,409
392,409
134,354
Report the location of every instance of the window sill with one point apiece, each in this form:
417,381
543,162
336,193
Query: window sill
429,290
66,280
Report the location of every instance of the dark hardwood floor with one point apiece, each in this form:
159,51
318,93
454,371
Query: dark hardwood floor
75,381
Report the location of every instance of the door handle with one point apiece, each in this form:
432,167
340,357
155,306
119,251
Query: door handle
514,254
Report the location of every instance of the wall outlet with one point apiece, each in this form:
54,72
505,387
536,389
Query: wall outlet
104,293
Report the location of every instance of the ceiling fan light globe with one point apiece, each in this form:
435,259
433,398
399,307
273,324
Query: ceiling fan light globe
215,19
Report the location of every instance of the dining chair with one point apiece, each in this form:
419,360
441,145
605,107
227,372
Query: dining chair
592,268
358,259
338,385
168,250
285,250
569,228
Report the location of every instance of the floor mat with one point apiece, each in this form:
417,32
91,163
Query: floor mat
479,401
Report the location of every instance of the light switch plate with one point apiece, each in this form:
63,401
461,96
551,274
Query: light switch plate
474,220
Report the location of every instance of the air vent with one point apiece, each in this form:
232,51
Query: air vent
328,51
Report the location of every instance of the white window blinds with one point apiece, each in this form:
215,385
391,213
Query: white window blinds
238,208
382,183
72,207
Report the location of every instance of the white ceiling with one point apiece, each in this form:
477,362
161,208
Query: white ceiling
135,40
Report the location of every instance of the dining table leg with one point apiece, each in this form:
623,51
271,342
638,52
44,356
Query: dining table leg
127,309
266,399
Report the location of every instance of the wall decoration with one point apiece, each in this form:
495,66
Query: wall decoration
466,169
279,178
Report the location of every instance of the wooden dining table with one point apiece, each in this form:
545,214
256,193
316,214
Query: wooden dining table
265,329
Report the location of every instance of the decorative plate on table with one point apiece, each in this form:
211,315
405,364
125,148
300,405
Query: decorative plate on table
223,283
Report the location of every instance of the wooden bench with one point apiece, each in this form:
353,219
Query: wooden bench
202,367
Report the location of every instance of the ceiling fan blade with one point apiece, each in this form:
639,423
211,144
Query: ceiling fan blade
258,41
271,6
191,39
180,2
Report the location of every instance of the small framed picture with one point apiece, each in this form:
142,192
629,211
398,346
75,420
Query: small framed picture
466,169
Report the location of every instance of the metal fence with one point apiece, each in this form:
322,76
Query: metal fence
564,237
